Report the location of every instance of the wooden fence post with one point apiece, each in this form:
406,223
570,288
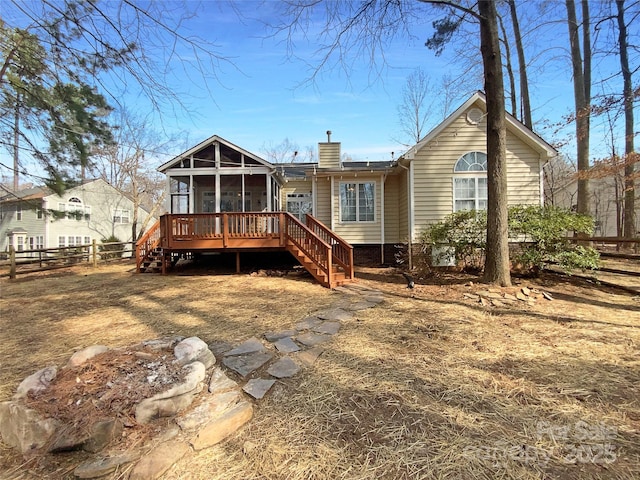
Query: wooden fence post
12,259
94,253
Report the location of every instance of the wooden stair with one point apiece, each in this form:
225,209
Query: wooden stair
326,256
338,276
153,261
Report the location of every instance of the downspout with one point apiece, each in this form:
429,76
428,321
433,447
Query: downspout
541,175
410,210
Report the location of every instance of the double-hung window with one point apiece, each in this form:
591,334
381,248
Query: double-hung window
121,215
470,182
357,202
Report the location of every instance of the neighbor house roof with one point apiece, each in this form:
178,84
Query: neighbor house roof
31,193
527,135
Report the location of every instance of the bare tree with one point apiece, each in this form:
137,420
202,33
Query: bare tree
287,152
629,148
559,174
70,61
365,26
582,93
125,165
418,98
524,79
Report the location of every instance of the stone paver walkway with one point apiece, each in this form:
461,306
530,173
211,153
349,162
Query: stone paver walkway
288,351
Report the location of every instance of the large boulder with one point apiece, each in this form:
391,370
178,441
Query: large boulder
36,382
177,398
24,428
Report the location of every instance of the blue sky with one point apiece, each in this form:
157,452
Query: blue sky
265,96
261,94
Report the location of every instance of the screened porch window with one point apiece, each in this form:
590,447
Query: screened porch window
357,202
470,182
179,188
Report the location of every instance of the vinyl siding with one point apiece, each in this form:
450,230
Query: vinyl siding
329,155
358,232
392,209
294,186
103,200
403,206
29,223
434,163
323,200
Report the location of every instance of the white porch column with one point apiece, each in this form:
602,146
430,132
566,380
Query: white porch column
192,193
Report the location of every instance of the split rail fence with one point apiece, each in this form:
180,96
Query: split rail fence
14,263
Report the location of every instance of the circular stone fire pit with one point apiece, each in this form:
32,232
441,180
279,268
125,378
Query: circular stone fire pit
107,402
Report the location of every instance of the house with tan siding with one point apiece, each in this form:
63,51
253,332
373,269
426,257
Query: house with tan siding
372,206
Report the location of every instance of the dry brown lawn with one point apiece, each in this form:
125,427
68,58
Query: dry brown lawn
426,385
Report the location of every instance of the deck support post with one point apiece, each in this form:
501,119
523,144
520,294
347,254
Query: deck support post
237,262
283,229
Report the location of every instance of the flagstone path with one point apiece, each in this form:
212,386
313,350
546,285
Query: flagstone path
283,354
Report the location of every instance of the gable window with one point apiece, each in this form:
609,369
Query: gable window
470,182
121,215
357,202
19,212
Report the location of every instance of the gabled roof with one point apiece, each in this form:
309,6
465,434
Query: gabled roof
209,141
513,125
31,193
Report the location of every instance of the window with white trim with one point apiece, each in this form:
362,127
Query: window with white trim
357,202
299,204
19,212
120,215
39,242
62,241
470,182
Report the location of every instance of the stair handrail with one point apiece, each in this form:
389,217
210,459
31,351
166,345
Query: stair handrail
147,243
342,251
320,246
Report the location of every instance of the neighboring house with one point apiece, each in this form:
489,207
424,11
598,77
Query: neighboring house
36,218
372,205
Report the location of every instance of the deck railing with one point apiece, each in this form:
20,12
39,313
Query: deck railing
224,226
149,241
341,249
310,244
240,230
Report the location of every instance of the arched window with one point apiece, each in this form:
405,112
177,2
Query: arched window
470,182
75,200
472,162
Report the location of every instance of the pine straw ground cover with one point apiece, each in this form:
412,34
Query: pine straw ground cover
426,385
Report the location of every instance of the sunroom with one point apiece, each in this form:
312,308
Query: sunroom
216,177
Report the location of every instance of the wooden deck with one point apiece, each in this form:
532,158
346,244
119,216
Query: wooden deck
323,253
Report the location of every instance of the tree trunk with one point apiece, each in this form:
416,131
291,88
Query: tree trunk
496,268
524,81
582,108
509,68
629,166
